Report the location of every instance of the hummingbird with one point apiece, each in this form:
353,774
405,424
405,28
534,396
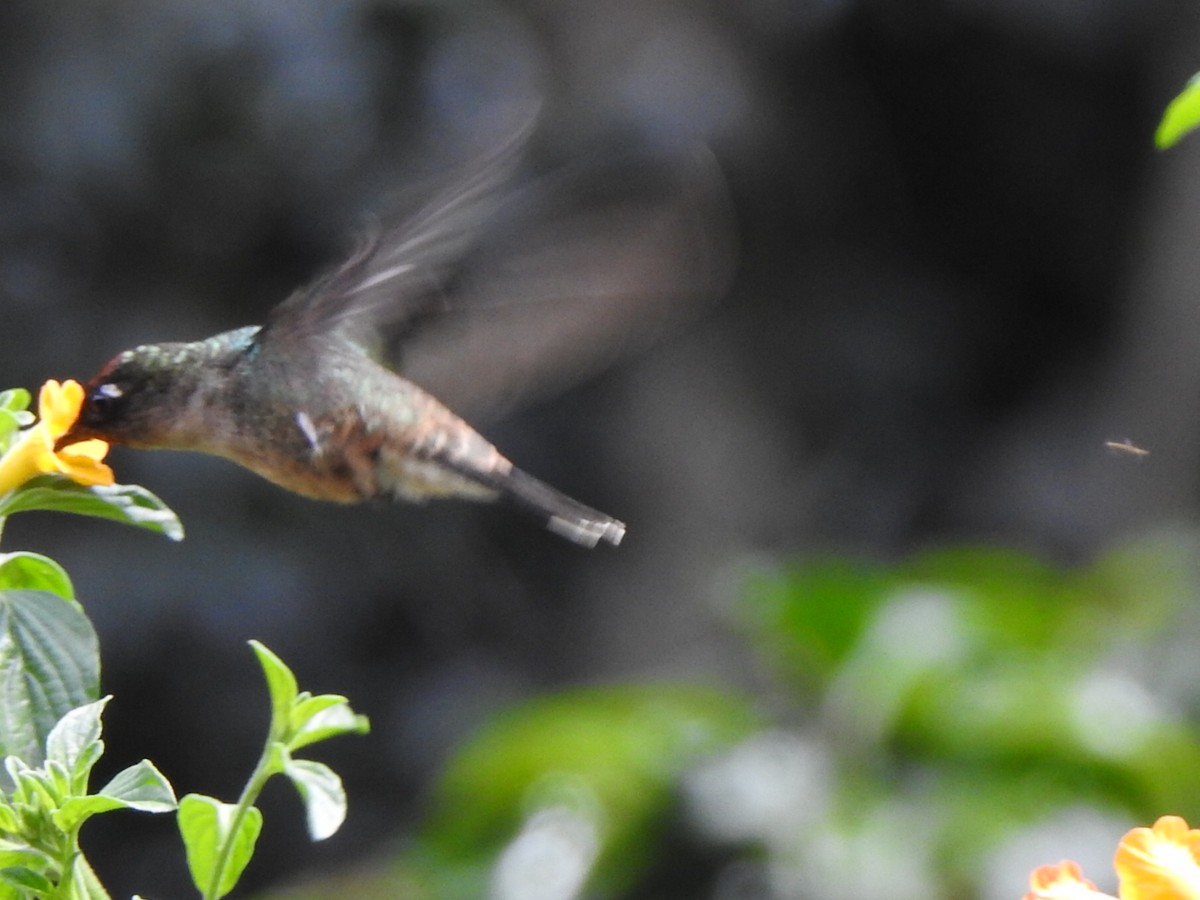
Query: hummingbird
304,401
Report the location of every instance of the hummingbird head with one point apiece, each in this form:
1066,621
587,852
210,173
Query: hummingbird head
129,401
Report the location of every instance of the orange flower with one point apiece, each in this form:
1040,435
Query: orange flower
1062,882
1160,863
34,453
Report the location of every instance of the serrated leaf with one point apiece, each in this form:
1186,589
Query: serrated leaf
32,571
142,787
49,665
327,716
1181,116
206,824
73,734
324,797
281,684
130,504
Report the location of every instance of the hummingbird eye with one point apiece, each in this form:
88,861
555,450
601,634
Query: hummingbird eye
105,399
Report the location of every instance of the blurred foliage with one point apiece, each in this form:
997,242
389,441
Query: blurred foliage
589,775
608,758
1181,116
987,689
923,713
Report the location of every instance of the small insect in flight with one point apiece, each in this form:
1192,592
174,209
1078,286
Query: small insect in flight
1128,448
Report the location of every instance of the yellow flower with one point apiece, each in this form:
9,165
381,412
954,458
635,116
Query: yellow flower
34,453
1160,863
1062,882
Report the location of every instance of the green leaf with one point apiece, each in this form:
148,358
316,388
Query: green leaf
319,718
49,665
615,753
10,425
1181,116
77,810
281,684
807,619
86,885
15,399
31,883
57,779
73,734
83,767
13,415
306,706
127,503
31,787
14,853
142,787
32,571
207,825
323,795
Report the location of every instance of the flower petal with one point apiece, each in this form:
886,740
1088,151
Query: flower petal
85,470
1160,863
93,448
59,405
34,454
26,459
1064,881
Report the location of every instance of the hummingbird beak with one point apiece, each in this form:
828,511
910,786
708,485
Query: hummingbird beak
76,434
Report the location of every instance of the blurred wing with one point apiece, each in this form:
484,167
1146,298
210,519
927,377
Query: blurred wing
398,272
610,263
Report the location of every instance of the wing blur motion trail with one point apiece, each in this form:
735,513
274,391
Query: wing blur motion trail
397,271
493,293
638,248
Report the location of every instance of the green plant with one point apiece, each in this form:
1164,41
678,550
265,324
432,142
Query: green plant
1181,116
220,836
50,708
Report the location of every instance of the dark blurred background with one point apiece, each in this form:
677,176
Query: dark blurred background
961,268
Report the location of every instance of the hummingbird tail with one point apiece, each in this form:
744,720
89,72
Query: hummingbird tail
564,516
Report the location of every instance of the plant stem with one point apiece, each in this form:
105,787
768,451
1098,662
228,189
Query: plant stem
67,864
262,771
76,878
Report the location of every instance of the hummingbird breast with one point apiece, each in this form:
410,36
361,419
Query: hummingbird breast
358,432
